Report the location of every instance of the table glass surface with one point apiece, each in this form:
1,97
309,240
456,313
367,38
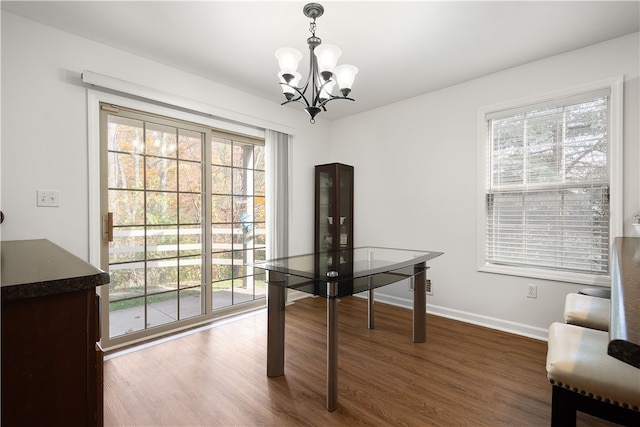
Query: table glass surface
354,270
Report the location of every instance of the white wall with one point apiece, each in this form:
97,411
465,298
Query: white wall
416,179
44,129
415,161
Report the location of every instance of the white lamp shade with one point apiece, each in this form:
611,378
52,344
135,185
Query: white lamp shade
345,75
294,82
327,56
325,93
288,59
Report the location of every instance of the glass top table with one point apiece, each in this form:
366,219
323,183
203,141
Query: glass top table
334,275
353,270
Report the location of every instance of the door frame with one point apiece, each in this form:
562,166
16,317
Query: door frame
96,258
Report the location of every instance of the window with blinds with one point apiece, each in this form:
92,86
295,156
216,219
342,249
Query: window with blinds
547,185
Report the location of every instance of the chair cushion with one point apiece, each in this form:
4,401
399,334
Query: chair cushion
577,359
587,311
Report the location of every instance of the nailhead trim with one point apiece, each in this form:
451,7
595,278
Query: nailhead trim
591,395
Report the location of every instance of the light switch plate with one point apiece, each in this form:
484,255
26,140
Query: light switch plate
48,198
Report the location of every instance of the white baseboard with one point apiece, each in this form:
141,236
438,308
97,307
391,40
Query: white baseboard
463,316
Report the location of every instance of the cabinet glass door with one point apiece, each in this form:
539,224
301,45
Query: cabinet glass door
334,207
325,211
345,230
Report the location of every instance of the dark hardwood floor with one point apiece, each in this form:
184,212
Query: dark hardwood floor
463,375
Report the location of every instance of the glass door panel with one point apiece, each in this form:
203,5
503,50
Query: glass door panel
155,175
238,220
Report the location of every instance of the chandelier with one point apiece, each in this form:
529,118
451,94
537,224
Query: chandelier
323,72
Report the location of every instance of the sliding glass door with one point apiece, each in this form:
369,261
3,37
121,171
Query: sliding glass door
184,212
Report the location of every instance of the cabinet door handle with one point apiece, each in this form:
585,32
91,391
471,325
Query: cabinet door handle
107,227
110,226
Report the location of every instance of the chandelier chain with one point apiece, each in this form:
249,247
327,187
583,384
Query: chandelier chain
312,27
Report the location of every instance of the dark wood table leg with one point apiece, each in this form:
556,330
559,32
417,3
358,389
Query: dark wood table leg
370,300
275,325
420,303
332,346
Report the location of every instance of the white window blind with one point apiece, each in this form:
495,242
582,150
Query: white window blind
547,195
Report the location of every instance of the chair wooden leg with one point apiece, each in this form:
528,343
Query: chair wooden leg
565,404
563,407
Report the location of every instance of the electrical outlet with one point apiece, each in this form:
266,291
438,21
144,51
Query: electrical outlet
48,198
428,288
532,291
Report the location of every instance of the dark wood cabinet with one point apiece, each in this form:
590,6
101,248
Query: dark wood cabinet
51,360
333,207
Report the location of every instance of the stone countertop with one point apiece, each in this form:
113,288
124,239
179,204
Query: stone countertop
624,328
36,268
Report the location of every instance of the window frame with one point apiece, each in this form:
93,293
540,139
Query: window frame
615,86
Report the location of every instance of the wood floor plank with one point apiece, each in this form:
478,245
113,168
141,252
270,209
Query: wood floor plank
463,375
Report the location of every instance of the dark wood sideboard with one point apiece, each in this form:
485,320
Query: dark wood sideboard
51,359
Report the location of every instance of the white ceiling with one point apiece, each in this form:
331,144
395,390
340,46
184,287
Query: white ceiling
402,49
